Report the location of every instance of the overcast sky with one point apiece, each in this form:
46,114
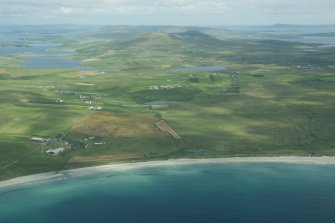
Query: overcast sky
167,12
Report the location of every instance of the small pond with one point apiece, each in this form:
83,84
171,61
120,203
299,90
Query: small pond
201,68
54,62
38,48
156,103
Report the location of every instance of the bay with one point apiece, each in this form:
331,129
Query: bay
191,193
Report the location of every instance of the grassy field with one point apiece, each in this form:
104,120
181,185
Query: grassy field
275,98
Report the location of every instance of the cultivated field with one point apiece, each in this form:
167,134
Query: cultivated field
163,126
108,124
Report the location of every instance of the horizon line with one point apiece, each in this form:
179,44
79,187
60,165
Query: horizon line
174,25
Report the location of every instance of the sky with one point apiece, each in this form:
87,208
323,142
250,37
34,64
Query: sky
167,12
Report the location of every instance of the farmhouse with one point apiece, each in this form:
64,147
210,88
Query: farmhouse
37,139
55,152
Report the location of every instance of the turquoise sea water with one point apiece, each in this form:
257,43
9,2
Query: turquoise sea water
198,193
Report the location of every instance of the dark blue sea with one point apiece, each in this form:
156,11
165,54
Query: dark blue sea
236,193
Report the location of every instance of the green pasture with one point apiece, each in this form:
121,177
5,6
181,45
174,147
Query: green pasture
275,98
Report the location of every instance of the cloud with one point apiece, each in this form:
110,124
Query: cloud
236,11
65,10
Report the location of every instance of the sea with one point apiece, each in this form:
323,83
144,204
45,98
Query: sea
202,193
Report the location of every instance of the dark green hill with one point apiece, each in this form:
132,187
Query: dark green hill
158,40
151,41
197,37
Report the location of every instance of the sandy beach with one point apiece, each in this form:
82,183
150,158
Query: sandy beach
72,173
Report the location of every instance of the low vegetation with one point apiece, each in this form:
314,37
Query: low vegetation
274,98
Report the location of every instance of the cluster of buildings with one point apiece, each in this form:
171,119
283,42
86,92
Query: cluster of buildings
305,67
165,87
92,108
214,74
92,141
54,146
91,100
82,96
56,151
40,140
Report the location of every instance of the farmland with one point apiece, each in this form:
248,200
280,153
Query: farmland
260,96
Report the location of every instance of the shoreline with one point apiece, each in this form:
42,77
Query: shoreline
87,171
